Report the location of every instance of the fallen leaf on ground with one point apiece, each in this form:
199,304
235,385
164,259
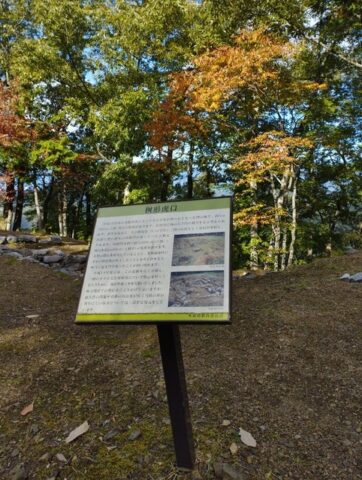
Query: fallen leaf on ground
233,448
77,432
247,438
28,409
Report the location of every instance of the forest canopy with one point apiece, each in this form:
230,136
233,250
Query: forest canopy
111,102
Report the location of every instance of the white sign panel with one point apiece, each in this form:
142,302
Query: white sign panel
167,262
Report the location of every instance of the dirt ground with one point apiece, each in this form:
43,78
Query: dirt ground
288,370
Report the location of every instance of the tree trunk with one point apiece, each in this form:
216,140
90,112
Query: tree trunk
283,256
46,202
276,230
19,205
332,227
190,172
88,215
293,229
279,198
208,183
270,257
126,193
278,201
9,199
254,256
78,218
254,238
39,218
72,216
166,180
62,210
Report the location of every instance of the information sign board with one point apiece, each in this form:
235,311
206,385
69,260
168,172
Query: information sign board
164,262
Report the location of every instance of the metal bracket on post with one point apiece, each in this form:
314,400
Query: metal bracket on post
173,368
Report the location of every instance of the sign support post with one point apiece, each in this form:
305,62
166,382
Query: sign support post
173,368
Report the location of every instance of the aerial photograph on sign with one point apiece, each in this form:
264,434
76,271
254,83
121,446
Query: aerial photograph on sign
199,249
196,289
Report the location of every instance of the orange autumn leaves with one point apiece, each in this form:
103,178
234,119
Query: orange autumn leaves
251,62
271,153
272,157
253,66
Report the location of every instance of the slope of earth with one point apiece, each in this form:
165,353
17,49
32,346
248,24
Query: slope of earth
288,370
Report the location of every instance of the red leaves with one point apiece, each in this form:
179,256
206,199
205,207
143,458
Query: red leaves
14,127
174,122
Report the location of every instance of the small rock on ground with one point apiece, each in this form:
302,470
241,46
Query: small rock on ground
27,239
14,254
52,258
357,277
11,239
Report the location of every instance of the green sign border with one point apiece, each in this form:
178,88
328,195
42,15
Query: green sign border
166,207
152,317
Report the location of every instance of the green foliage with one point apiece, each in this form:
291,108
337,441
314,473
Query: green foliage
110,185
53,154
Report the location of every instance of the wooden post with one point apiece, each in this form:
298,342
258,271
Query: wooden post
173,369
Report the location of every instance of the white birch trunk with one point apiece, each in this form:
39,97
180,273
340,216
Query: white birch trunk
9,220
293,228
276,230
62,212
283,257
39,216
270,254
279,200
254,257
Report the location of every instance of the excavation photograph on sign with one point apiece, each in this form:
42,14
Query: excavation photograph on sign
167,262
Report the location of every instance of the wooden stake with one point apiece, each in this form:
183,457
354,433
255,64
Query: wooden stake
173,369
